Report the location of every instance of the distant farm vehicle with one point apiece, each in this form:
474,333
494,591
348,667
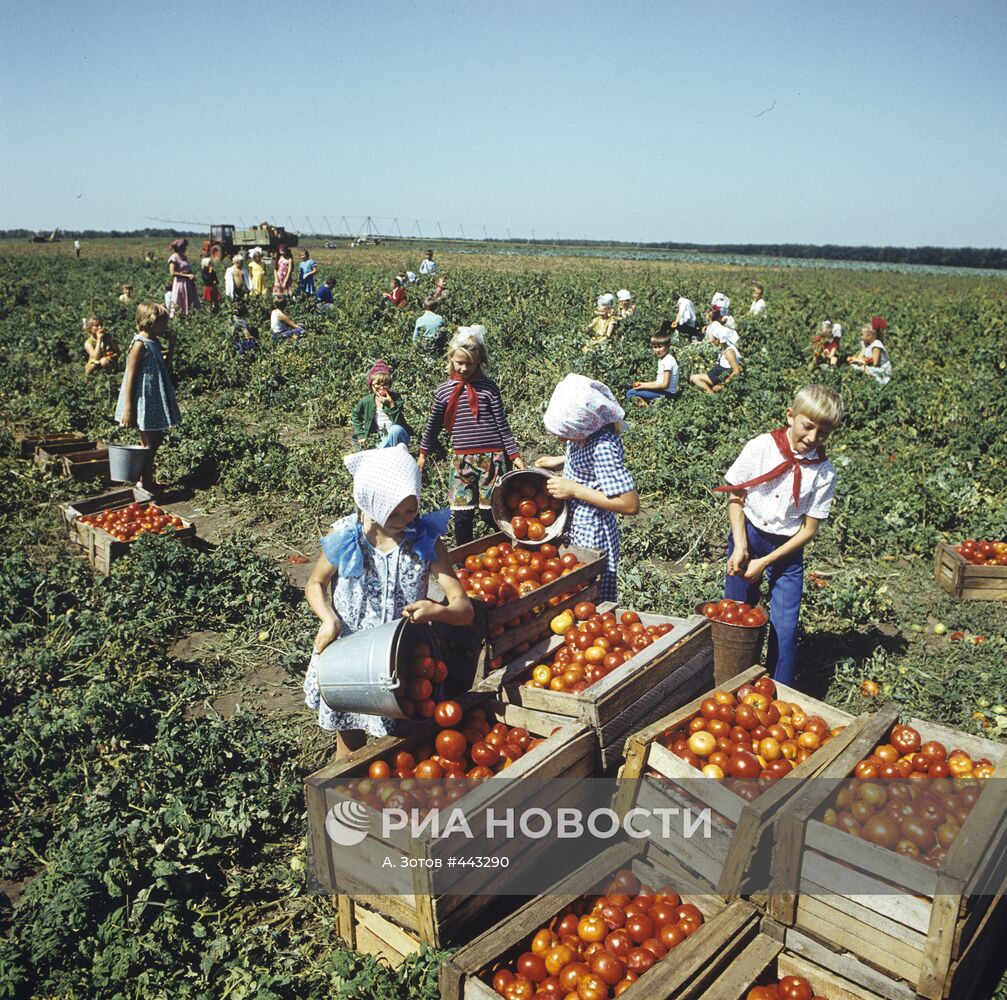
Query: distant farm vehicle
225,240
52,237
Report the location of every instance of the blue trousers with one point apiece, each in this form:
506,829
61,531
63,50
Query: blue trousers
786,583
650,394
396,435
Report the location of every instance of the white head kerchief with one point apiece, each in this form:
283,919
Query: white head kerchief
382,479
580,406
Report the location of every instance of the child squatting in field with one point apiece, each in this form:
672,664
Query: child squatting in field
374,568
146,396
781,488
469,407
583,413
380,411
99,346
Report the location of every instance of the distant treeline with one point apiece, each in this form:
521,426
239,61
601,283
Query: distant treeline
983,257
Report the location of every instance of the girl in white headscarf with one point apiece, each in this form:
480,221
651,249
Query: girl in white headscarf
583,413
374,568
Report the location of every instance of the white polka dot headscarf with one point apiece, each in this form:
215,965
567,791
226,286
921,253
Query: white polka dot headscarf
382,479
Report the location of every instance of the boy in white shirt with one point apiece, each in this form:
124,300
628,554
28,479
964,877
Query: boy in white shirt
781,488
665,386
758,306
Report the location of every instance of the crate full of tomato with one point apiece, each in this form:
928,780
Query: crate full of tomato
514,587
742,751
107,525
614,669
894,874
630,935
973,570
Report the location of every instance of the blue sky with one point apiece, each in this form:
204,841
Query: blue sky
635,121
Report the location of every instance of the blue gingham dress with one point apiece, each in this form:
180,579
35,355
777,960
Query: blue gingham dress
600,463
389,582
155,407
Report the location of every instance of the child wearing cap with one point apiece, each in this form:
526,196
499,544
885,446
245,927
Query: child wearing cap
602,326
469,407
825,344
584,414
374,568
380,411
728,362
627,307
781,488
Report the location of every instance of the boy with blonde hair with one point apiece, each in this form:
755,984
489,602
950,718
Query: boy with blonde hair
781,488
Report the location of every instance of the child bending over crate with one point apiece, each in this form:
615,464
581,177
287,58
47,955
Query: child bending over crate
583,413
780,490
374,568
147,396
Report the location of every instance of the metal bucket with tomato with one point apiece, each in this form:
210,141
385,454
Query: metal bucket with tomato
366,672
523,509
738,631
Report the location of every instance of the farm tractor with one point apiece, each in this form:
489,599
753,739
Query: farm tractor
225,240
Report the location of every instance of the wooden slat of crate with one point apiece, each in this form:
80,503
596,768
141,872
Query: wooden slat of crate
962,580
83,465
921,935
752,820
568,753
102,549
691,960
51,451
824,982
27,443
366,931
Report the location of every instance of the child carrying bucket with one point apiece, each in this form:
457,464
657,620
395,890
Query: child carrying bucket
781,488
374,568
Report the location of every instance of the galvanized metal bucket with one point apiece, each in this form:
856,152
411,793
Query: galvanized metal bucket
502,515
126,462
359,672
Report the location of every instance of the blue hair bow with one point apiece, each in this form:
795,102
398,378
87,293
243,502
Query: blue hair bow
344,550
424,532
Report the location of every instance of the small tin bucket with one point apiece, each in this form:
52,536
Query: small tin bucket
503,515
126,462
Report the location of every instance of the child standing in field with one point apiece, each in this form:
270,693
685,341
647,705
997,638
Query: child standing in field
237,280
374,568
283,271
257,272
146,396
873,357
211,291
306,271
685,321
665,385
584,415
468,406
780,490
99,346
825,344
728,362
380,411
183,283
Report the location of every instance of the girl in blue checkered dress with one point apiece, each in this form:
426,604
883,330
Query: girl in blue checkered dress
595,481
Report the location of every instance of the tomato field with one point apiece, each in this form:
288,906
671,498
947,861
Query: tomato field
154,732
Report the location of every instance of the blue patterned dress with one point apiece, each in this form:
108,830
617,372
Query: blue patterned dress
155,407
599,463
389,581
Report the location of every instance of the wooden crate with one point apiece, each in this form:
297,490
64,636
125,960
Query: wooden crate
85,465
742,832
686,968
52,451
27,443
966,582
437,918
100,547
912,929
498,627
667,673
763,960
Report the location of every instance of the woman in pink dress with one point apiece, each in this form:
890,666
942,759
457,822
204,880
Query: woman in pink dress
184,297
283,272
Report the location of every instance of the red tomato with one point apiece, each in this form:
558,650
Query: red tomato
448,714
451,744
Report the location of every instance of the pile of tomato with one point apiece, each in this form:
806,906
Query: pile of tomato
734,613
126,524
532,510
910,797
598,946
467,750
593,645
785,988
983,553
504,573
748,738
419,672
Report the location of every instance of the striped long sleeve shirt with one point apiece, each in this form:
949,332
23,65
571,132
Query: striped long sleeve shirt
471,436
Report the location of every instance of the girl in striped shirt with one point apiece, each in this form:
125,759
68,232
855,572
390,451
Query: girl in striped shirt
468,406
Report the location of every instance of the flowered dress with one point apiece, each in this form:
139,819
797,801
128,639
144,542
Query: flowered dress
282,275
183,290
599,463
372,588
155,406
